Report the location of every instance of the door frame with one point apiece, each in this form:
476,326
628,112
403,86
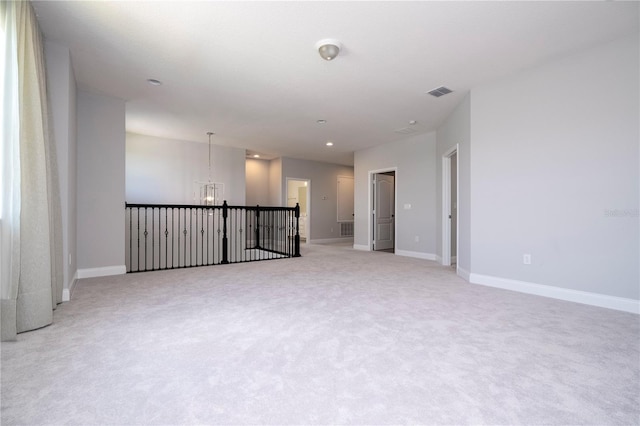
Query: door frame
446,204
370,222
286,194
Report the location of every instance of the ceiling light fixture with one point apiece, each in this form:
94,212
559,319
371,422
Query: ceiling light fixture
154,82
328,48
413,122
208,191
256,155
329,143
210,134
321,121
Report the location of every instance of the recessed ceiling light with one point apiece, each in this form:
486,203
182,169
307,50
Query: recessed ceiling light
256,155
154,82
329,143
321,121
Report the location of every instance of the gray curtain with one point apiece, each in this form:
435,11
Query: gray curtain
31,234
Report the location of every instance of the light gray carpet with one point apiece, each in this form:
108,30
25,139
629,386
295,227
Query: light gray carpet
335,337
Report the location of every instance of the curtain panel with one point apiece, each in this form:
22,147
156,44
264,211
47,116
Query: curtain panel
32,233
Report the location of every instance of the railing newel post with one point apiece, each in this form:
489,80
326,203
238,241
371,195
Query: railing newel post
257,226
225,248
296,249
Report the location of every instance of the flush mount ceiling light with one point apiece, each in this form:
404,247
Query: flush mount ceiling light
328,48
154,82
329,143
321,121
256,155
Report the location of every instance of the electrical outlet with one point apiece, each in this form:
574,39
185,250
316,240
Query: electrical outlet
526,259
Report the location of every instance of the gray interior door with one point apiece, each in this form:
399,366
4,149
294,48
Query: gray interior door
384,213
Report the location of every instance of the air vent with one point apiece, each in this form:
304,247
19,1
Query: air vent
346,229
405,130
440,91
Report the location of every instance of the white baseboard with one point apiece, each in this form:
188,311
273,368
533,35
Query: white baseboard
463,273
587,298
67,292
101,272
453,259
416,254
331,240
361,247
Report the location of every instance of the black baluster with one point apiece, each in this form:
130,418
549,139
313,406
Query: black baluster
166,238
138,226
202,213
145,238
153,238
258,227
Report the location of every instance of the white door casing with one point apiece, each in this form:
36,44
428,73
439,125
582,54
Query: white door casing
293,197
447,202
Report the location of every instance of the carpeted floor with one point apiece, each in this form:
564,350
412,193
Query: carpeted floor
335,337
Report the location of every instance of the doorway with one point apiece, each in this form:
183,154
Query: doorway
299,191
450,207
383,210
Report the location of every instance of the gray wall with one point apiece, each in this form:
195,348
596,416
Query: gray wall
165,171
257,180
415,160
456,130
101,182
554,173
324,193
61,88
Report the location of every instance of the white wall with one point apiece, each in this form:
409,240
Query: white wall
415,160
456,130
276,183
165,171
257,182
61,88
100,184
324,193
554,174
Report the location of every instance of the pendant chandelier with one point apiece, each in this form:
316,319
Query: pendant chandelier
210,191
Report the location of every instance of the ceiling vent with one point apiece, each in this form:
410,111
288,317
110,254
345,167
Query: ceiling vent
440,91
405,130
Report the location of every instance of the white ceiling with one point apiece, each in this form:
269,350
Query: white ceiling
249,71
